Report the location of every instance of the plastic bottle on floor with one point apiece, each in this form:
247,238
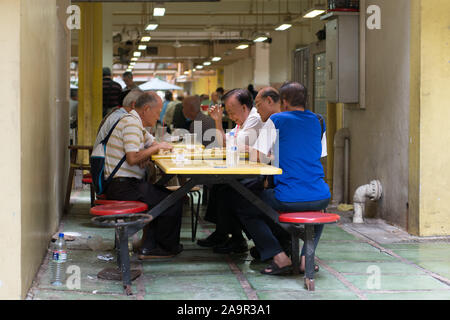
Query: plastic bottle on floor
58,261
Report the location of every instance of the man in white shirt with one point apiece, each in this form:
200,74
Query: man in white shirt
239,106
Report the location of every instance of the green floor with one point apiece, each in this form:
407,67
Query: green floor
350,268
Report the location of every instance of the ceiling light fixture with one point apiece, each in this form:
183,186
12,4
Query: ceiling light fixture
242,46
199,67
283,27
137,54
142,47
215,59
314,12
206,63
260,38
134,59
159,10
145,39
152,25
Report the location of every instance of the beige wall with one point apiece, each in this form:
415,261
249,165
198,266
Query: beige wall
239,74
379,134
10,174
37,104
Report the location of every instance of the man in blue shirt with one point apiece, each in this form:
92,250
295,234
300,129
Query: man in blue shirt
295,140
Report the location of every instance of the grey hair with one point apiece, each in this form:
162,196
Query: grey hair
147,98
131,97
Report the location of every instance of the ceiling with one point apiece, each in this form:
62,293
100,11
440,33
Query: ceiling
191,32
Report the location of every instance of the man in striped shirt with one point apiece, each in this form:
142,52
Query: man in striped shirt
161,237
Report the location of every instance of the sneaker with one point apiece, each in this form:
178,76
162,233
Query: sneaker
214,239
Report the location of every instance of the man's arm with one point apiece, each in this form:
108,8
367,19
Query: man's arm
216,113
138,157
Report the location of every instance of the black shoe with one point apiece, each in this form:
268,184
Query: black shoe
178,249
155,253
232,246
214,239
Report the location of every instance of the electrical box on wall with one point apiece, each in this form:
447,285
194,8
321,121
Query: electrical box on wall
342,58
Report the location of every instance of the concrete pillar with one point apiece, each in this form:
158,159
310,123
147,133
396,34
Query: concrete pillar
107,22
429,173
90,66
261,65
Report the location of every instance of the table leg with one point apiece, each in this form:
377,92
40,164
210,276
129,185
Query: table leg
124,260
295,254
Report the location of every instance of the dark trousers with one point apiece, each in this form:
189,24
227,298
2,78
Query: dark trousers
164,230
266,234
221,210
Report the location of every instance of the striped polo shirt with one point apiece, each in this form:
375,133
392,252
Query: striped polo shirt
128,136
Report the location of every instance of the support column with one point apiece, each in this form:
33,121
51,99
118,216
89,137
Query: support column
429,173
90,73
107,31
261,65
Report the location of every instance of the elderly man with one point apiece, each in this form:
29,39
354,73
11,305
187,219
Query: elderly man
201,123
127,77
161,236
239,105
300,135
117,113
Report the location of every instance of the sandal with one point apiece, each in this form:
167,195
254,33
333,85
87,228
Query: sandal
316,269
276,270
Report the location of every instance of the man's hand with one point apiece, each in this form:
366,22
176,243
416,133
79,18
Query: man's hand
163,146
216,112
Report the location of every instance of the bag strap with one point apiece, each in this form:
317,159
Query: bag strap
321,120
121,160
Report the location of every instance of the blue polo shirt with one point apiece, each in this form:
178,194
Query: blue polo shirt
297,143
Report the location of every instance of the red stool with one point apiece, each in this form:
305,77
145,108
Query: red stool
127,219
308,219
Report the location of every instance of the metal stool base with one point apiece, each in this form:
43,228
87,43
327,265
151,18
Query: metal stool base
116,274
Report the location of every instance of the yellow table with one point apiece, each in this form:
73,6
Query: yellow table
206,154
215,167
206,172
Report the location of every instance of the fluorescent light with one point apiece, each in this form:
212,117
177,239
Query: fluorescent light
242,46
142,47
206,63
260,39
216,59
194,69
134,59
145,39
159,12
152,26
283,27
199,67
132,63
137,54
313,13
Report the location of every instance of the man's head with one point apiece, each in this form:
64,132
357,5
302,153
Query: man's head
215,97
130,100
168,96
149,106
293,95
128,78
191,106
220,91
238,103
267,102
106,72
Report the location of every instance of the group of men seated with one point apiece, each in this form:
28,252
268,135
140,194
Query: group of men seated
274,127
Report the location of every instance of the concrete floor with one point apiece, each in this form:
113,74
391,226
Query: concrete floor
373,261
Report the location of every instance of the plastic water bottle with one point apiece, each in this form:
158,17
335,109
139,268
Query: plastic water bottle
232,157
58,262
